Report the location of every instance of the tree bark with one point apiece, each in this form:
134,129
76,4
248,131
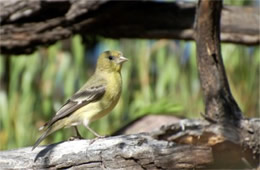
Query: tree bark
221,107
220,104
188,144
26,24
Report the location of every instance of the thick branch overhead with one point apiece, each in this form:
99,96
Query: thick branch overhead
26,24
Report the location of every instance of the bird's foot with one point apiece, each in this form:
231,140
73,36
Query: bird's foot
100,136
96,138
75,138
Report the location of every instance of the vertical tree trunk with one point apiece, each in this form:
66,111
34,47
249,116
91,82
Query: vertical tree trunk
220,104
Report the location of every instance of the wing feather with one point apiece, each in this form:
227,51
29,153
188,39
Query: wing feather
78,100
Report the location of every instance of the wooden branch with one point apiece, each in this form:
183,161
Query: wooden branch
220,104
26,24
221,107
125,152
185,145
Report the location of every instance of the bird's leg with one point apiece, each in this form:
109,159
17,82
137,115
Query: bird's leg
86,122
95,133
78,136
77,133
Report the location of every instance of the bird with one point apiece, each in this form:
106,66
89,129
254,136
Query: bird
97,97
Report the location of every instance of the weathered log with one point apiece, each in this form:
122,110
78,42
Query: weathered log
26,24
184,145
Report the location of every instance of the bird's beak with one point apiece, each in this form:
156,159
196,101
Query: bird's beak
122,59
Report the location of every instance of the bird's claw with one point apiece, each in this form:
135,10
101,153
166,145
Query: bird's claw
72,138
96,138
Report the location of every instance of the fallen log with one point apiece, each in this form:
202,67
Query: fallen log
187,144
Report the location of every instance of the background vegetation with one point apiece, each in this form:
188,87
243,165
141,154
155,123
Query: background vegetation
160,78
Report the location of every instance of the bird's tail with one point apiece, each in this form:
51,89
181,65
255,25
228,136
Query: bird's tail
43,136
47,132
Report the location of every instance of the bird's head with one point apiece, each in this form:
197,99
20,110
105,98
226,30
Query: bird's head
110,61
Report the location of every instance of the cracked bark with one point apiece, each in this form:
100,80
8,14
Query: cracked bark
29,23
184,145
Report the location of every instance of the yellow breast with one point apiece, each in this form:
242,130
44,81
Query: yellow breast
96,110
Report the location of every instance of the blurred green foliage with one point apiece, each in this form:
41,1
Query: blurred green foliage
160,78
239,2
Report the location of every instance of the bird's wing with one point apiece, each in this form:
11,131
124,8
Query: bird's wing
79,99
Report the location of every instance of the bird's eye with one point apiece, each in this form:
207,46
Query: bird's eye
110,57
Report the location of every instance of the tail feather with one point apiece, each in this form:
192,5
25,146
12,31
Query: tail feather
43,136
44,126
47,132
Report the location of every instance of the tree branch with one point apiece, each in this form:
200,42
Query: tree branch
221,107
188,144
220,104
26,24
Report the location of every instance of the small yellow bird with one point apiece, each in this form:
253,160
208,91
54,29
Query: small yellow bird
94,100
